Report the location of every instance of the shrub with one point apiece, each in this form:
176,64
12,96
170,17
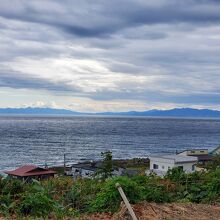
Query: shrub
195,193
82,193
6,204
37,204
176,175
108,199
213,186
156,193
12,187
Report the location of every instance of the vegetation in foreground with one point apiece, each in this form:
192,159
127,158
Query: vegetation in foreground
63,197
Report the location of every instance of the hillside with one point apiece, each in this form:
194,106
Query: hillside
177,112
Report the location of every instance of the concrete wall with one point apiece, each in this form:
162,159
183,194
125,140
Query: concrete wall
165,165
187,167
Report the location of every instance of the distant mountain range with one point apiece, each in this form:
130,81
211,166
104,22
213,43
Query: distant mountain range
177,112
37,111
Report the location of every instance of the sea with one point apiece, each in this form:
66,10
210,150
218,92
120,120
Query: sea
43,140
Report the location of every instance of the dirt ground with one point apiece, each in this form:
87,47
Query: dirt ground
153,211
173,211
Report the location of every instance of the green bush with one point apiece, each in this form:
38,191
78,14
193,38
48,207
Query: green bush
176,174
37,204
13,187
62,197
108,199
156,193
195,193
213,186
6,204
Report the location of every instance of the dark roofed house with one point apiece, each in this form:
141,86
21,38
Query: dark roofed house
202,154
29,172
89,169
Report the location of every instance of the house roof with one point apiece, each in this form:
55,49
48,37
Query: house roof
29,170
86,166
177,158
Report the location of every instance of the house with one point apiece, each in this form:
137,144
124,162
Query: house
202,154
89,169
193,152
29,172
162,163
86,170
216,151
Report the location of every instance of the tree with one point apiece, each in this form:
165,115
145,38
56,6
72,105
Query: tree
107,165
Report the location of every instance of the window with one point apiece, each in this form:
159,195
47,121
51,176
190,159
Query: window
193,167
155,166
162,167
192,151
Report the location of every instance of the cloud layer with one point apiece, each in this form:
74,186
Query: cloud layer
155,53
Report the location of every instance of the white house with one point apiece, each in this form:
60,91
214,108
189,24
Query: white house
162,163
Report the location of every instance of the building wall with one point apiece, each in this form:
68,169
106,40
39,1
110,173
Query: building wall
193,152
187,167
163,165
169,164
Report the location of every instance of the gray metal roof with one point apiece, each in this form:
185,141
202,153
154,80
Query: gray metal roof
176,158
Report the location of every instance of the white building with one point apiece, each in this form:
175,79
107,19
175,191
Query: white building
162,163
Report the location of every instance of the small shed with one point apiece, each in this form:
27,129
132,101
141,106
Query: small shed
29,172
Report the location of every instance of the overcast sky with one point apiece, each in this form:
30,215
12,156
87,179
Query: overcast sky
113,55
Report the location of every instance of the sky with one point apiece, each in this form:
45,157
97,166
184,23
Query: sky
117,55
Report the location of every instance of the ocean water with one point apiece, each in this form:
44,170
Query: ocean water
45,139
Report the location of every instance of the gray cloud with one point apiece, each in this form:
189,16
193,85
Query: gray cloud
98,19
152,51
17,80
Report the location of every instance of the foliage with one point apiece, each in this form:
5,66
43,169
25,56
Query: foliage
6,204
176,174
64,197
214,163
213,186
37,204
107,165
108,199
